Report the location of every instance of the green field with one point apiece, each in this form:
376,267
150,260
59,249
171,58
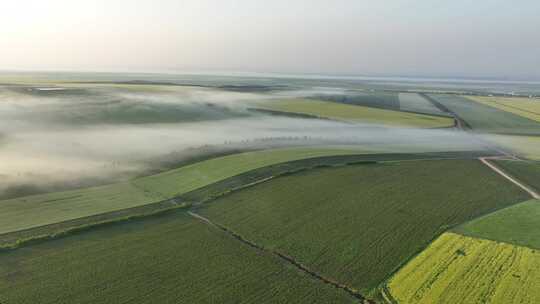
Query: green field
526,107
167,259
459,269
357,224
383,100
527,172
43,209
238,181
355,113
518,224
416,103
487,119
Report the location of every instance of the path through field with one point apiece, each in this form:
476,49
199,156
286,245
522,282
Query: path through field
533,193
284,257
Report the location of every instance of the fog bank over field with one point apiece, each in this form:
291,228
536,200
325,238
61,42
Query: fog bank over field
86,135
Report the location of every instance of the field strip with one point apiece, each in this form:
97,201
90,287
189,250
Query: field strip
256,182
459,123
284,257
48,230
533,193
517,108
422,159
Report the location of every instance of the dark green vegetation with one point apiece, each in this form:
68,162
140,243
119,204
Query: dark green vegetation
486,119
527,172
518,224
167,259
383,100
358,224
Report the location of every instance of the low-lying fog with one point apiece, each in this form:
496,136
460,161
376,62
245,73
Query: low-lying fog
82,135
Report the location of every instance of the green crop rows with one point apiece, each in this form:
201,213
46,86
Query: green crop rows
357,224
526,171
167,259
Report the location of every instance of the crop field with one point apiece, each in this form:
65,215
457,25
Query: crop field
486,119
518,224
167,259
32,211
461,269
223,187
219,188
349,223
267,188
355,113
416,103
187,178
383,100
527,172
525,146
238,181
526,107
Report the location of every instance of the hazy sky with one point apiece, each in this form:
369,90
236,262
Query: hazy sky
387,37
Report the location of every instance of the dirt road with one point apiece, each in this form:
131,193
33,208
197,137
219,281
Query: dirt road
485,160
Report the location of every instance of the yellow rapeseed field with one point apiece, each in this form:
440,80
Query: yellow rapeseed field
459,269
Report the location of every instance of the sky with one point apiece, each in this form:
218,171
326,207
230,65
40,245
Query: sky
484,38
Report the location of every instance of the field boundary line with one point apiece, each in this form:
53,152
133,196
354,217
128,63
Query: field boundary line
459,123
352,292
387,296
485,161
44,237
241,187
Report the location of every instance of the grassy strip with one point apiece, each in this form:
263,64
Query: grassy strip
356,114
288,114
11,237
36,239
